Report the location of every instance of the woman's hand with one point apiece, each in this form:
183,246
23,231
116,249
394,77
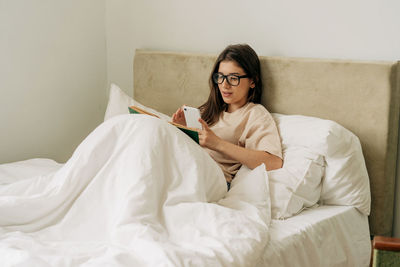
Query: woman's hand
207,138
179,117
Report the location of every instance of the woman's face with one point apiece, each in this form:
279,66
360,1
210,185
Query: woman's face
234,96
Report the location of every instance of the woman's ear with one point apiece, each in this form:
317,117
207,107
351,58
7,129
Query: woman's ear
252,84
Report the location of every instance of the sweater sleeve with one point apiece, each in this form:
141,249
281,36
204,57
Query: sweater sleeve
261,133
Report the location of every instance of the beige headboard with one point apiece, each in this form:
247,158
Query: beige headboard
362,96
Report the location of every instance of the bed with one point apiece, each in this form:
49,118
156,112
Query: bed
336,188
339,90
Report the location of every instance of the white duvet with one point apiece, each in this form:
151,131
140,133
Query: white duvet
136,192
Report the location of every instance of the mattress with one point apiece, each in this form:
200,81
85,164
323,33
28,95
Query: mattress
320,236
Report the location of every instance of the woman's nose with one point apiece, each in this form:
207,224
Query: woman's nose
225,84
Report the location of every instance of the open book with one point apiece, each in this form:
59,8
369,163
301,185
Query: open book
191,132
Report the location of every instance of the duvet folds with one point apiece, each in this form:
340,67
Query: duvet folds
136,192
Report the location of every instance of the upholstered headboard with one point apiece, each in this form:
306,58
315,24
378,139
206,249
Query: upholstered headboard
364,97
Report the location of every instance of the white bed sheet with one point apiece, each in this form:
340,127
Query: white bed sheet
321,236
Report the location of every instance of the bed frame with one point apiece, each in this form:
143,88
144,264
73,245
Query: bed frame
362,96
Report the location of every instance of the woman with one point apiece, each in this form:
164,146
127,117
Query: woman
236,128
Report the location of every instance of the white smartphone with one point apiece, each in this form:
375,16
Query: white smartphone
192,116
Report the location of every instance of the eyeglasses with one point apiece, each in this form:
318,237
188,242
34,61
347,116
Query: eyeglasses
232,79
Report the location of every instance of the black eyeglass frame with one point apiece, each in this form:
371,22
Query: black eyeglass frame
218,74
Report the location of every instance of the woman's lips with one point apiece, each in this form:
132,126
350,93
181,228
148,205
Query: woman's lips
226,94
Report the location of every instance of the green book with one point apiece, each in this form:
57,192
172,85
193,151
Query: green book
191,132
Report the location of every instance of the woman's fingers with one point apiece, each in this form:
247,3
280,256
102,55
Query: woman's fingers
180,113
179,117
207,137
204,124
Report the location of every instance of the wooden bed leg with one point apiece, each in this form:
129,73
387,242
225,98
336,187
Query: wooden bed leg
386,251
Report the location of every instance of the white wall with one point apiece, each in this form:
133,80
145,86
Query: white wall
357,29
52,76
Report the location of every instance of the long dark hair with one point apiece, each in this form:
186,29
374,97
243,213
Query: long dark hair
248,60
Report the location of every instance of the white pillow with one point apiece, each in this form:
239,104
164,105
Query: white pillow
297,185
346,179
119,101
